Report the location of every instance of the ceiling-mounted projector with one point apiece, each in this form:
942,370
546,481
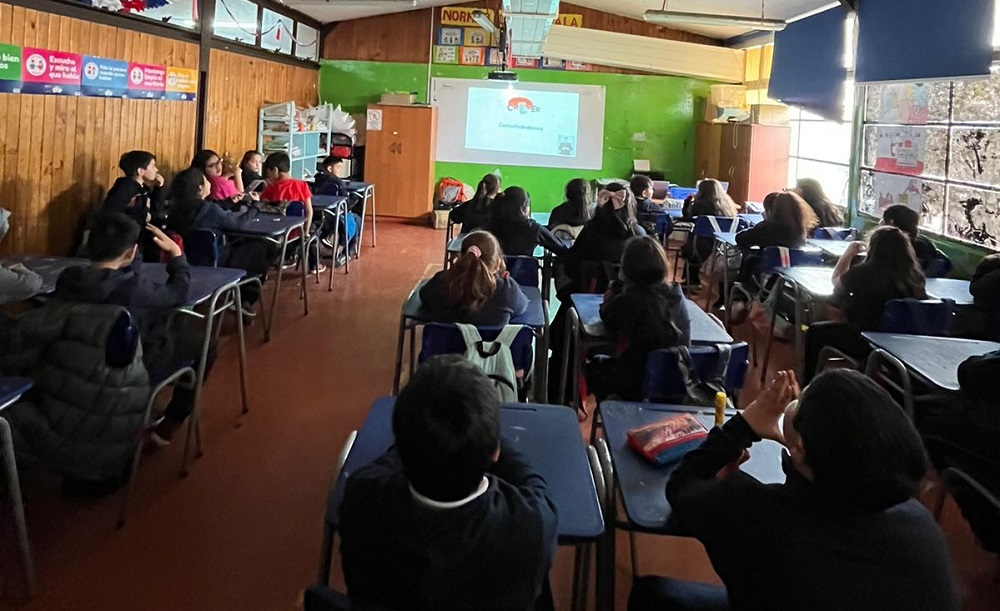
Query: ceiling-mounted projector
502,75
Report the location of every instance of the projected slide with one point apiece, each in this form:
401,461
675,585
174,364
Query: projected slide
523,121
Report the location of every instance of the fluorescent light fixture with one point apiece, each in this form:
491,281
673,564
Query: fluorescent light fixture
483,21
726,21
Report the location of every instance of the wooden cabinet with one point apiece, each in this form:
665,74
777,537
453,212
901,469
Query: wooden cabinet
753,159
399,159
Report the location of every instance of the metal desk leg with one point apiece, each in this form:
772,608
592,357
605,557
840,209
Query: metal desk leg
370,191
336,245
269,319
305,271
606,556
542,360
398,371
574,321
14,486
238,298
568,336
799,339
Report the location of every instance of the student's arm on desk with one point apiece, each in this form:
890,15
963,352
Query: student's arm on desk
548,241
17,283
513,468
173,292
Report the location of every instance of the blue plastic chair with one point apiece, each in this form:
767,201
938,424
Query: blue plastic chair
203,247
298,209
918,317
939,267
708,226
661,222
663,380
440,338
835,233
526,271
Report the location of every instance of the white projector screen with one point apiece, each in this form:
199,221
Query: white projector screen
530,124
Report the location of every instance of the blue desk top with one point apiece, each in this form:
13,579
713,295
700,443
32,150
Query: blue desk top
11,389
643,486
934,359
48,268
326,202
542,218
455,247
534,317
818,281
835,248
704,330
752,218
548,435
357,186
269,226
950,288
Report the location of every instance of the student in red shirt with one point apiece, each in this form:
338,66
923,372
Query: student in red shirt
282,188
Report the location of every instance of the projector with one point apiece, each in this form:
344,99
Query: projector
502,75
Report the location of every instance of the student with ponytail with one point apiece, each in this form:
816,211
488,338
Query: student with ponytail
476,213
476,289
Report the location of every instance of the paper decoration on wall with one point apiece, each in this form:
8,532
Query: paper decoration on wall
901,149
472,56
343,123
450,36
50,72
476,37
445,55
907,103
891,189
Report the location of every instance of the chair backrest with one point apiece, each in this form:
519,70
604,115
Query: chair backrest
708,226
774,257
918,317
939,267
525,271
835,233
661,189
439,338
123,339
660,221
664,381
202,247
295,209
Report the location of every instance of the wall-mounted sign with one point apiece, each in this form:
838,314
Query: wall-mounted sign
56,72
10,69
182,84
104,77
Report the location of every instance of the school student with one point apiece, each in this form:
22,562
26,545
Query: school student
645,312
115,278
513,226
478,211
328,181
890,271
842,532
250,171
452,516
225,187
788,219
907,220
476,288
642,188
16,281
138,194
571,215
827,212
711,199
603,238
282,188
982,320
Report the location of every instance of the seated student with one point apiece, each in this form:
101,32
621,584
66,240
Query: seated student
114,278
645,312
478,211
139,194
842,532
476,289
787,222
889,272
642,188
603,238
513,226
328,180
452,516
250,171
16,281
282,189
710,200
571,215
827,212
227,185
907,220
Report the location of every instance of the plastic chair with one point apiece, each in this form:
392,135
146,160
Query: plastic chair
843,234
704,230
661,222
203,247
663,380
298,209
918,317
939,267
526,271
440,338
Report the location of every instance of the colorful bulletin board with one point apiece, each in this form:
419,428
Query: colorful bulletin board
29,70
460,41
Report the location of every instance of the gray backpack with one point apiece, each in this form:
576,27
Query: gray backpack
494,358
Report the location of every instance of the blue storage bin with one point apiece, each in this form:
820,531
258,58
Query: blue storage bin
681,192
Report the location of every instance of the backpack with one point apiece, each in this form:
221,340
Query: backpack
701,392
451,191
494,358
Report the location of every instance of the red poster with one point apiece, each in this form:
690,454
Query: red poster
146,81
50,72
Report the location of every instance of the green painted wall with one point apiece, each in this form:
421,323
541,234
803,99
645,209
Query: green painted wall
665,109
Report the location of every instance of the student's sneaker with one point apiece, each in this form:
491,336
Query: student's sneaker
326,242
162,431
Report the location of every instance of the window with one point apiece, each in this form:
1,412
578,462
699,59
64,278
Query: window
276,32
182,13
821,149
236,20
306,42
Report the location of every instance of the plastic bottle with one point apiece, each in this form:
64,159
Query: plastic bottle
721,401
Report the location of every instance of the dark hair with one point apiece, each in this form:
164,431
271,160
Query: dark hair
639,184
134,161
112,234
891,253
810,190
644,262
794,216
200,160
769,201
332,160
247,156
861,448
278,161
712,195
186,185
447,427
904,218
510,208
490,183
578,195
470,281
625,214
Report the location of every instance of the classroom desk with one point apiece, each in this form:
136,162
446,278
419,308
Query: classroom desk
48,268
367,192
278,229
726,248
11,390
542,218
334,205
643,486
834,248
454,246
752,218
536,317
934,360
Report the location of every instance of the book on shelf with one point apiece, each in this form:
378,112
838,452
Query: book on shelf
667,441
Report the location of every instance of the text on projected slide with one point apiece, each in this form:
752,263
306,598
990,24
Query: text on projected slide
523,121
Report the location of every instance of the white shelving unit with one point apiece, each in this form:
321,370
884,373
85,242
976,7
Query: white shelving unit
303,133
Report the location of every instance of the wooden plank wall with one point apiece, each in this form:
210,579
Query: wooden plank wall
238,86
60,154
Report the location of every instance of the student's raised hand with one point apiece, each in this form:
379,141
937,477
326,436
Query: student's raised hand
764,414
163,242
855,248
159,180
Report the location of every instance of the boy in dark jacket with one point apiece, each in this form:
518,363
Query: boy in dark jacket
642,188
115,278
452,517
328,180
138,194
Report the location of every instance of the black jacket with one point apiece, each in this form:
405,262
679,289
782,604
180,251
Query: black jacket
328,184
135,200
566,213
781,547
647,205
477,213
601,240
507,302
197,214
768,233
493,553
521,238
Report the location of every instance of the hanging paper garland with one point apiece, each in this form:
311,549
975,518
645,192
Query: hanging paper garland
134,5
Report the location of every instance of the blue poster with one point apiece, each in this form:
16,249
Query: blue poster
107,78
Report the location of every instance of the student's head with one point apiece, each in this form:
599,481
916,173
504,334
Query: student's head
333,165
447,428
850,438
190,184
114,238
512,206
489,186
472,278
902,217
713,194
641,186
578,194
810,190
276,165
768,202
891,252
644,262
208,162
616,199
794,215
139,165
251,161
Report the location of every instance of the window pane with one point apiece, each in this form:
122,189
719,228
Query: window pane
236,20
306,42
181,13
978,101
909,103
276,32
794,138
825,141
880,190
833,177
974,155
880,149
974,215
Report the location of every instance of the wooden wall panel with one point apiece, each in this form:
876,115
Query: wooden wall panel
238,86
599,20
60,154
